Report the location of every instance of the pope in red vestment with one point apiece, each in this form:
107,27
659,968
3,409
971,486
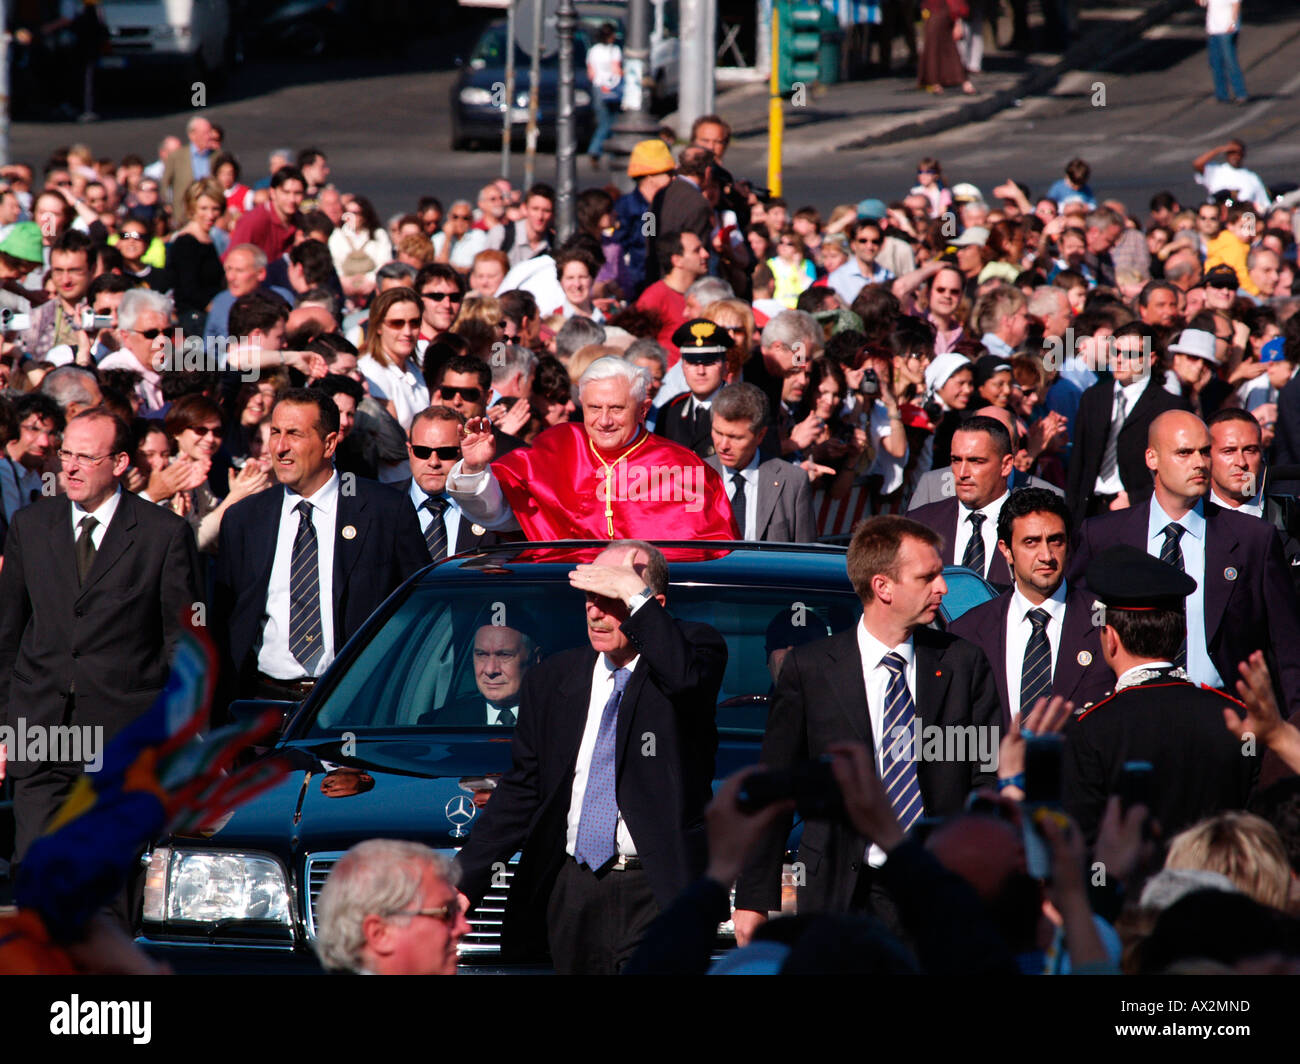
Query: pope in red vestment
607,478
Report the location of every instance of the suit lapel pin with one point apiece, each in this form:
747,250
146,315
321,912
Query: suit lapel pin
478,530
1230,573
938,672
1084,658
349,532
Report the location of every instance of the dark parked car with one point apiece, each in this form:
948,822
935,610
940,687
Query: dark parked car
478,93
394,740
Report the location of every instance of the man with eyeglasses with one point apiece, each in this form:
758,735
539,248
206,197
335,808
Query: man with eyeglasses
441,293
56,321
93,590
862,269
390,907
434,448
29,455
143,321
464,384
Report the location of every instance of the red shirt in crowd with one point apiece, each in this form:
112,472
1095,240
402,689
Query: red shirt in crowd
670,305
261,227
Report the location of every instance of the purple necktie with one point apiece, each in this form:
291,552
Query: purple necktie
599,824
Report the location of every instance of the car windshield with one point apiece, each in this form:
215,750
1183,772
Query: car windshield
490,52
453,657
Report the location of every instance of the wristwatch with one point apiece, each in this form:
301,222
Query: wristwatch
640,599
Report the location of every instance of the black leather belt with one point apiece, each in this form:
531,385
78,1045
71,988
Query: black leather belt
302,688
616,864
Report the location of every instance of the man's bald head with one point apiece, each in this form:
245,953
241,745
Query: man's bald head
983,850
1178,454
1001,414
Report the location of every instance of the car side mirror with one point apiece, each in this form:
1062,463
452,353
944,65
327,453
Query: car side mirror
247,710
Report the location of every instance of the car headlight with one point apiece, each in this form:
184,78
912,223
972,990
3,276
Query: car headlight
194,886
475,96
581,99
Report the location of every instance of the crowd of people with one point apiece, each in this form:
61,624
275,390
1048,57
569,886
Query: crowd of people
264,398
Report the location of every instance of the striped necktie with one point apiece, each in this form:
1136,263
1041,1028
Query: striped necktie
973,556
306,636
1036,673
899,745
435,536
1171,553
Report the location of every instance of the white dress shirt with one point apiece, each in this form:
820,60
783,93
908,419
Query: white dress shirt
876,678
988,531
102,515
274,659
880,427
1200,669
602,686
1253,506
494,713
1113,484
748,521
450,516
405,388
480,496
997,347
1020,628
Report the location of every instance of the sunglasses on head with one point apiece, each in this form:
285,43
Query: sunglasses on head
445,453
438,297
470,395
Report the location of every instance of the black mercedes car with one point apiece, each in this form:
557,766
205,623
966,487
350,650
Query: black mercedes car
394,741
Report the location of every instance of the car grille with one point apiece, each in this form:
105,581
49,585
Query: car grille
485,920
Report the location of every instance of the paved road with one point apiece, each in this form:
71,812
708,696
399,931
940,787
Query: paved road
383,121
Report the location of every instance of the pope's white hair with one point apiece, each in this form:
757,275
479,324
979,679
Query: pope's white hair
611,367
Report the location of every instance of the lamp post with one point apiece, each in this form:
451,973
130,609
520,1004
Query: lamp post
566,177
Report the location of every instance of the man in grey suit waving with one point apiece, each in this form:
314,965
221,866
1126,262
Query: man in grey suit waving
772,499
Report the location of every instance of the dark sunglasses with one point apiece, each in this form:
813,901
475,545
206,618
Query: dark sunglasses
149,334
205,430
470,395
438,297
445,453
132,236
402,323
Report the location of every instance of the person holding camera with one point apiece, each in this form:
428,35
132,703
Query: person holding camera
879,683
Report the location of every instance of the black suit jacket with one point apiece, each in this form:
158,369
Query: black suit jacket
670,700
1091,429
1286,444
466,536
986,626
1253,609
678,207
111,637
942,516
387,548
820,699
676,424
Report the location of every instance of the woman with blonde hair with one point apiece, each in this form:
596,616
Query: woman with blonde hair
1244,847
388,358
193,266
485,309
737,318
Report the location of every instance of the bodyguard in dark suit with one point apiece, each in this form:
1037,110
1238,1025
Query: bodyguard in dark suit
1156,715
433,449
1108,459
95,587
1046,624
680,206
968,521
1244,600
300,567
937,484
688,418
887,680
613,762
772,499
